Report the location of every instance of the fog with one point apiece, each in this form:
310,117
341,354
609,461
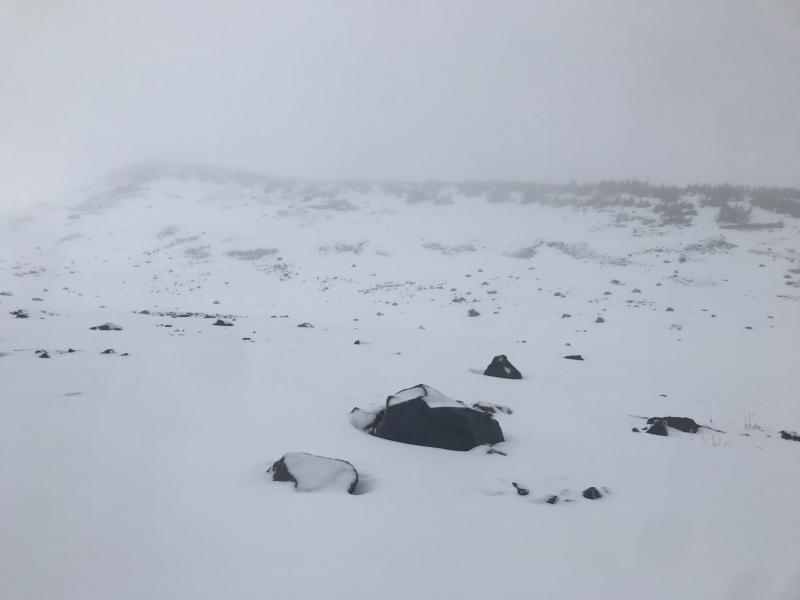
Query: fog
548,90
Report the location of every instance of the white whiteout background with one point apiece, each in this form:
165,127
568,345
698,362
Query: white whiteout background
143,476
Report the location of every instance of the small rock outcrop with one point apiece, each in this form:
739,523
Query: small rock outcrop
106,327
574,357
684,424
502,367
311,473
221,323
790,435
591,493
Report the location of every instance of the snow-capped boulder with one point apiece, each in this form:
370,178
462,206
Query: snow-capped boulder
502,367
422,416
311,473
657,427
106,327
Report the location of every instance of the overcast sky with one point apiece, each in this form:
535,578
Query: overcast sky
667,90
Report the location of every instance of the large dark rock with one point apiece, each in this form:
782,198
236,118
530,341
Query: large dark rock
425,417
502,367
684,424
574,357
222,323
311,473
790,435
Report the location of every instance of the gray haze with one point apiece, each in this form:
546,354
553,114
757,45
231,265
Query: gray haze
670,90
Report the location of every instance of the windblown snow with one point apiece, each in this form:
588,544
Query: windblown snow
141,474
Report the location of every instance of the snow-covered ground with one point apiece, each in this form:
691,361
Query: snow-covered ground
144,476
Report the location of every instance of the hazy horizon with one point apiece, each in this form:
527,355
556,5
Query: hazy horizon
528,91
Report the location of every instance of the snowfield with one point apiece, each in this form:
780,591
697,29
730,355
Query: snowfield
144,476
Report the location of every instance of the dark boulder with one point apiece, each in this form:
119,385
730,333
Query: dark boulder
684,424
108,351
42,354
574,357
306,325
423,416
221,323
790,435
502,367
658,427
592,493
311,473
20,313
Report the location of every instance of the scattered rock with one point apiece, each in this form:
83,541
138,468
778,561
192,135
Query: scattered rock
684,424
221,323
42,354
574,357
473,313
20,313
658,427
552,499
592,493
108,351
357,342
311,473
306,325
790,435
425,417
670,309
599,320
106,327
502,367
522,491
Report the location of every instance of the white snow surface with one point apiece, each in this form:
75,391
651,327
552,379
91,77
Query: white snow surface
142,477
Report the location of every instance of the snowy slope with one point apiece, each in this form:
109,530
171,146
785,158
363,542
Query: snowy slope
143,476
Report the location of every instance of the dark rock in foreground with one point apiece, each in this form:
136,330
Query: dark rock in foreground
423,416
790,435
502,367
574,357
311,473
522,491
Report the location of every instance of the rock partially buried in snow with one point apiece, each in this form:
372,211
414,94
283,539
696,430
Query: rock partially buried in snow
106,327
502,367
423,416
658,427
790,435
311,473
684,424
574,357
592,493
221,323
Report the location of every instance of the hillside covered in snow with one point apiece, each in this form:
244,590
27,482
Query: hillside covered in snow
250,315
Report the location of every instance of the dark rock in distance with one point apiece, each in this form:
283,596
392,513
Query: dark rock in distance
552,499
473,313
574,357
684,424
306,325
502,367
221,323
106,327
592,493
43,354
790,435
658,427
109,351
522,491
